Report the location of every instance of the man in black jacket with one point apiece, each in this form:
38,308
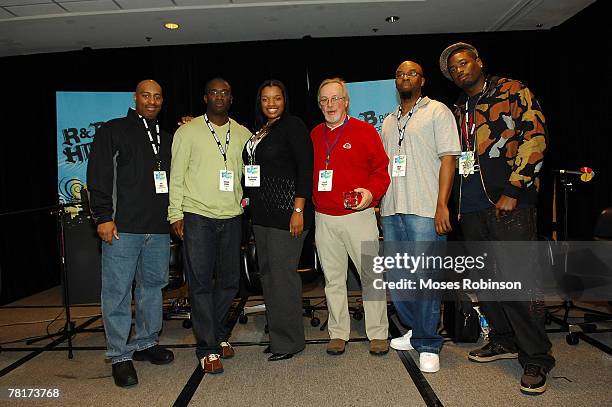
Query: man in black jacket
127,177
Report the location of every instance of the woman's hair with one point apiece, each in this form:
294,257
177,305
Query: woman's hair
260,117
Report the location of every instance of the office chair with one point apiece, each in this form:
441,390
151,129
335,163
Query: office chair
591,317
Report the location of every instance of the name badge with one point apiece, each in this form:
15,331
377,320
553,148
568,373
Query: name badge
161,182
226,180
466,163
399,166
252,176
325,180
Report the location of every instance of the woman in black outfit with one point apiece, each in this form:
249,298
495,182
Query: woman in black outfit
281,212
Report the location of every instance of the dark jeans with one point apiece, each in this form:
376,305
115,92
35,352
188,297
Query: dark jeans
212,266
517,325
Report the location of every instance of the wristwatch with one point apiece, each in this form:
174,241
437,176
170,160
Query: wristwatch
298,210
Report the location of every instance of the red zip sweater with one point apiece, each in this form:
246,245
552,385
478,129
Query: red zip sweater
358,160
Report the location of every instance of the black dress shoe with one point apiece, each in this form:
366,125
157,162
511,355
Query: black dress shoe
155,354
267,349
280,356
125,374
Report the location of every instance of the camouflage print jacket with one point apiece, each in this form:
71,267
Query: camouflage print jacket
511,138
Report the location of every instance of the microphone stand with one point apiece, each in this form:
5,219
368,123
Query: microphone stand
69,327
574,331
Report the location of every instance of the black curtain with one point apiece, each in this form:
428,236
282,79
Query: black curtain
566,67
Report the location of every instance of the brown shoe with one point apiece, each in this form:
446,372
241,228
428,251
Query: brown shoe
227,351
379,347
336,346
212,364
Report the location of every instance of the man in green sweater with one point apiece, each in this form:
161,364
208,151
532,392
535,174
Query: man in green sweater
204,211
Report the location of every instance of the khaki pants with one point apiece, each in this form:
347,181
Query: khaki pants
338,237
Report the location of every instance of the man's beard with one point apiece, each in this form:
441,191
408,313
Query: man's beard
406,94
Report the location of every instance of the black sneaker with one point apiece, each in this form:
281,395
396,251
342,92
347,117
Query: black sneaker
490,352
155,354
533,381
125,374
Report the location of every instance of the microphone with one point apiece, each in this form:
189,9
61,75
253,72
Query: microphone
586,173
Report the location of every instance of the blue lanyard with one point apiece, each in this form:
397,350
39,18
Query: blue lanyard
327,147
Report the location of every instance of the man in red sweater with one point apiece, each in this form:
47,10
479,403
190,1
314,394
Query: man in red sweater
348,157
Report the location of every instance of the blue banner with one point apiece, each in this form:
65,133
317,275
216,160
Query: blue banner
372,101
79,115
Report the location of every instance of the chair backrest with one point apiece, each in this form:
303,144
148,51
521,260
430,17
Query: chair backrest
603,226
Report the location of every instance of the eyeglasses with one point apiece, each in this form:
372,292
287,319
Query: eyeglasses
217,92
411,74
323,101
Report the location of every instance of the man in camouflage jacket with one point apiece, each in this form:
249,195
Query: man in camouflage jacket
503,139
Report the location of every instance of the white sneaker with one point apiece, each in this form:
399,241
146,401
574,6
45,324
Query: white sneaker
429,362
403,342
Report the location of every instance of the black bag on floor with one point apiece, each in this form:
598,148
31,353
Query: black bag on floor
461,320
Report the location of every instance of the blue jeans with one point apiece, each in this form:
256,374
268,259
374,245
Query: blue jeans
144,258
423,315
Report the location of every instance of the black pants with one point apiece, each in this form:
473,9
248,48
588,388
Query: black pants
517,325
212,266
278,256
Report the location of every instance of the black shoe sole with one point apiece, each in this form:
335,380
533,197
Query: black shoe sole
487,359
126,385
335,352
380,353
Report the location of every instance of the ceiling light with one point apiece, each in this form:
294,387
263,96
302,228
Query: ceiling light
171,26
392,19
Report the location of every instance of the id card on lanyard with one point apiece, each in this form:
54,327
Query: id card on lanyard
252,171
398,168
159,177
226,177
326,176
252,175
226,180
467,159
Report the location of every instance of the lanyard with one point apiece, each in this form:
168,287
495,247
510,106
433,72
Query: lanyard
469,125
222,150
254,141
327,146
156,146
402,131
251,146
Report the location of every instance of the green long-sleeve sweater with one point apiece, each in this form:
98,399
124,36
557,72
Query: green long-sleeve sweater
194,175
